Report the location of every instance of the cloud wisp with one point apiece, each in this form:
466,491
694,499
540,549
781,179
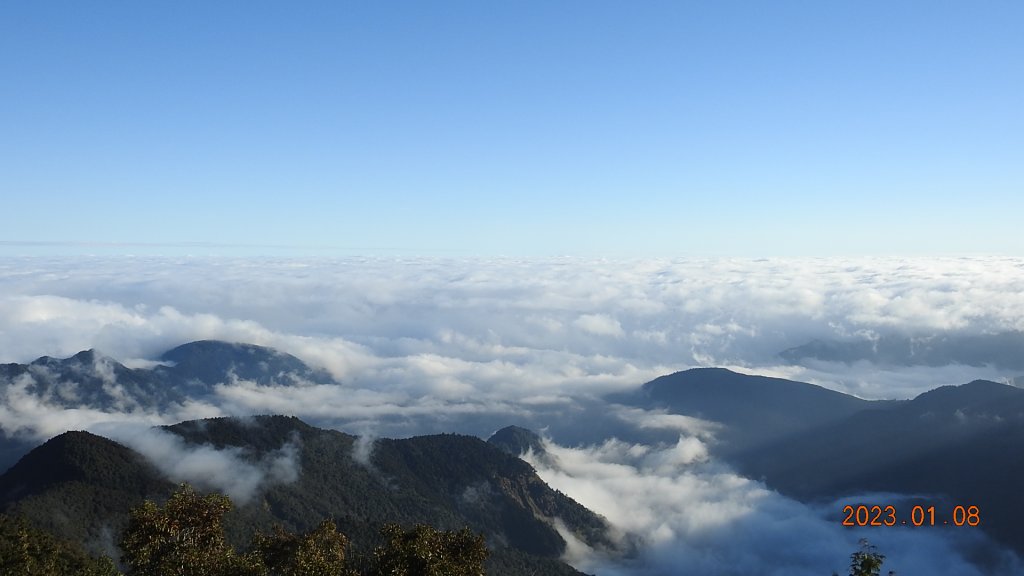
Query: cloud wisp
229,470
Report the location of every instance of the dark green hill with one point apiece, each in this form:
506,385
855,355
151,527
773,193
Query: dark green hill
80,487
446,480
78,457
77,485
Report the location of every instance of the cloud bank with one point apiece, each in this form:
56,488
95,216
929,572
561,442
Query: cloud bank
540,328
435,345
684,514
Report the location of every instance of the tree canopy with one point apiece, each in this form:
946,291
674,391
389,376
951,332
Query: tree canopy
185,537
27,551
425,551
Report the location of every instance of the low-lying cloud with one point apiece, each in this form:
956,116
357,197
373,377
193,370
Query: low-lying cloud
454,328
227,470
433,345
25,414
681,513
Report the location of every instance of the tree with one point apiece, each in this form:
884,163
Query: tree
27,551
425,551
184,537
320,552
866,561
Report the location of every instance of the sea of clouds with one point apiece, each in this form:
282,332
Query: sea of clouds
426,345
536,327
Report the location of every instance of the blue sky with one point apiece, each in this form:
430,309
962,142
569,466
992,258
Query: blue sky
514,128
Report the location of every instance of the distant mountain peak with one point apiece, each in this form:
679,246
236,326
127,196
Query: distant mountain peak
754,409
86,355
211,346
212,361
724,382
976,393
190,372
517,441
1001,349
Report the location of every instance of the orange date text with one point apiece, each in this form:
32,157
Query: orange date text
868,515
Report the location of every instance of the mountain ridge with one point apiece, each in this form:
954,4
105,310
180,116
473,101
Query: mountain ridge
1002,349
960,443
93,380
755,409
806,441
448,481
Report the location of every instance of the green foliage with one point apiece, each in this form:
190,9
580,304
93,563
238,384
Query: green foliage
80,488
425,551
866,561
185,537
27,551
320,552
444,481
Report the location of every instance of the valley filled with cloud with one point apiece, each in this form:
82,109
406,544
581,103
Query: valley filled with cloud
426,345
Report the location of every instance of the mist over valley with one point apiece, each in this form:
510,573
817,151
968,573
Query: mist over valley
736,456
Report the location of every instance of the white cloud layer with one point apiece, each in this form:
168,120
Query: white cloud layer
456,328
430,345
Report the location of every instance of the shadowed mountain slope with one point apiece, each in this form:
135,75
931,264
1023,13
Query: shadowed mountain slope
954,444
80,487
754,409
214,361
86,484
963,444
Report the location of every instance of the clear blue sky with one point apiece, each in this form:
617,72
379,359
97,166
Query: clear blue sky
515,128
